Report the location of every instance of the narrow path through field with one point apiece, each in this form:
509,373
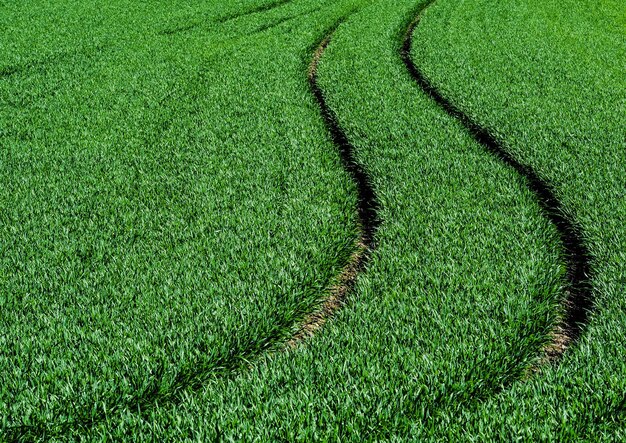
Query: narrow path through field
367,207
578,301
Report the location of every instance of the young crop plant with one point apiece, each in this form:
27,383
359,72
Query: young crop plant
547,78
312,220
165,217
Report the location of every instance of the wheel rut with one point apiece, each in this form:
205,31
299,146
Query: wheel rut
578,301
367,206
224,19
194,377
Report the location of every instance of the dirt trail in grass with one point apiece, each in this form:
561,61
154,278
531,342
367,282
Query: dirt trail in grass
367,208
578,300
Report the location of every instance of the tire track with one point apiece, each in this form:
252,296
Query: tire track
286,19
257,10
578,301
40,65
367,205
195,376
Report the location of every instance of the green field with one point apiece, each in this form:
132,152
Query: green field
312,220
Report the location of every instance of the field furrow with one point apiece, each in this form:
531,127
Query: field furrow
578,303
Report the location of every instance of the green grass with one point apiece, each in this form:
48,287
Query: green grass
172,206
548,78
164,214
459,296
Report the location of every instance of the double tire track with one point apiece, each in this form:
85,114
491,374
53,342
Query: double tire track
577,302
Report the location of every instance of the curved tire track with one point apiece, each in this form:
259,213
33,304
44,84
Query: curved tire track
224,19
578,302
367,206
194,377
